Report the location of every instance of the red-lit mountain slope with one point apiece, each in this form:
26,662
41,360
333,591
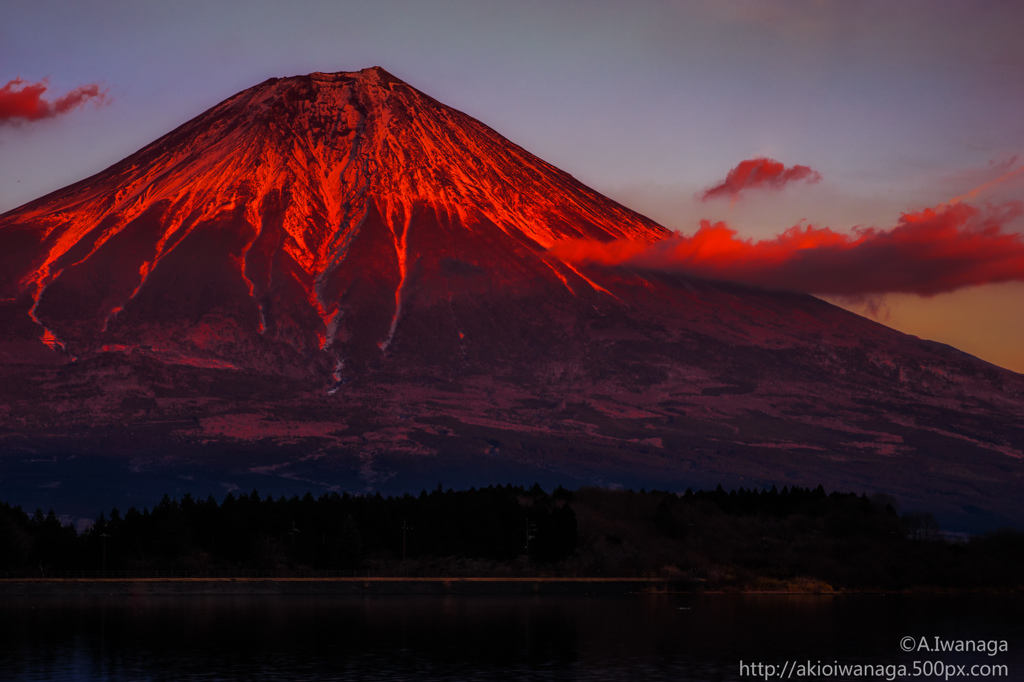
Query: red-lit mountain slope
337,280
304,212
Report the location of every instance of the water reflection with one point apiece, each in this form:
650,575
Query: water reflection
677,637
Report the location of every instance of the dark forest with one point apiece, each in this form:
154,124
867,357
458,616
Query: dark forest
794,539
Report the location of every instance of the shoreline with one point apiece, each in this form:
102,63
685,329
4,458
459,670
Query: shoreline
339,585
435,585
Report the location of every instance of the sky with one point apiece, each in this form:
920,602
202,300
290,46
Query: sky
888,134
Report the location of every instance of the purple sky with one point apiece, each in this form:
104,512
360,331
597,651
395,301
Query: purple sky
899,106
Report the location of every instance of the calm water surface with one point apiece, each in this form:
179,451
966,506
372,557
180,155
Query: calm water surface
660,637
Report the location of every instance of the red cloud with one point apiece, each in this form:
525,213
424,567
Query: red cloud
760,173
929,252
20,100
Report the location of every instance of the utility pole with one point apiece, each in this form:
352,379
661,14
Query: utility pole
292,533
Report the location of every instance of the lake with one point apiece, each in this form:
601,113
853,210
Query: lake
479,637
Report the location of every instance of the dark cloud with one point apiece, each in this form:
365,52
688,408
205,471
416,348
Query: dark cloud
928,252
22,101
760,173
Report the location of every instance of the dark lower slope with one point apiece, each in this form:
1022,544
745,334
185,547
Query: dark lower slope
686,384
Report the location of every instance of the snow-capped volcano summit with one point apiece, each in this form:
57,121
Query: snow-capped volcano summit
295,211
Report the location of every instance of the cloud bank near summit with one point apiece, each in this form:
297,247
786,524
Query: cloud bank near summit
928,252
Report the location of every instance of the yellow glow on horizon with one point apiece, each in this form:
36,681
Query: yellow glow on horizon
985,321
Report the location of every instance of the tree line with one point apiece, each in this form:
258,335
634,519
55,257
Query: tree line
741,539
332,532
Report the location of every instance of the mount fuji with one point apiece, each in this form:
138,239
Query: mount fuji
336,282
